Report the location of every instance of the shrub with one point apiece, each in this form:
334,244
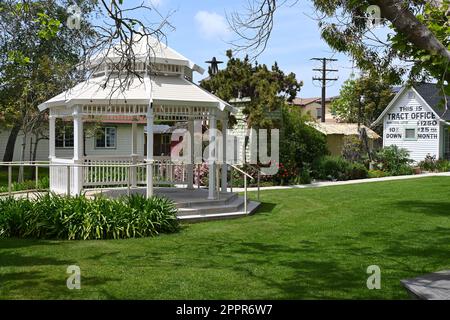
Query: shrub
393,160
285,174
357,171
352,149
305,176
300,144
332,168
403,170
58,217
429,163
201,173
443,165
376,174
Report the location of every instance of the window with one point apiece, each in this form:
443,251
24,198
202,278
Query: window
319,113
105,137
410,134
64,137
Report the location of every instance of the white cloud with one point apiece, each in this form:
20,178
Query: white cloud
212,25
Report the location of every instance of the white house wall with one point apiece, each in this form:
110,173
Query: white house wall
123,142
123,145
41,152
408,112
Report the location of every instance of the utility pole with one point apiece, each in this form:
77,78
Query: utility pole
324,80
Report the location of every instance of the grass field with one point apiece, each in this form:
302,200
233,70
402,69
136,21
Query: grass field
29,180
302,243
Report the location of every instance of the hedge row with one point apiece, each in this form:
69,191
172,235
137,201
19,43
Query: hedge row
60,217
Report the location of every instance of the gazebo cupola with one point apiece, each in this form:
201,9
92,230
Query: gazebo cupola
163,91
162,61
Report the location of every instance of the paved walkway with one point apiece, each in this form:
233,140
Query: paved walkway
33,194
432,286
340,183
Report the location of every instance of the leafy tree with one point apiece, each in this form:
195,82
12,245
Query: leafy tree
268,88
420,34
35,64
369,92
300,144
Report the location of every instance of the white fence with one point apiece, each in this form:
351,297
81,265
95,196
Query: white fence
70,177
104,171
62,176
113,171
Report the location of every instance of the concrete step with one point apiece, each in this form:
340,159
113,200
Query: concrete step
224,199
198,217
213,207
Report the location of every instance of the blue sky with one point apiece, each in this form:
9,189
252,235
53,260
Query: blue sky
201,32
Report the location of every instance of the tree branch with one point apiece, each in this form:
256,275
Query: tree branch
405,22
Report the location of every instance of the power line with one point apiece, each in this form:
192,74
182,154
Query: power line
324,80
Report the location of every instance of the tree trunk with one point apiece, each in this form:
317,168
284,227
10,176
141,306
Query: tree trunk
20,177
9,149
405,22
33,158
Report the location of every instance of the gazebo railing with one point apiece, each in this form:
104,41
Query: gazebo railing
166,171
62,175
106,171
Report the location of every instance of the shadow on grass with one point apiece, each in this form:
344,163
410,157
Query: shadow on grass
16,243
317,269
438,208
265,208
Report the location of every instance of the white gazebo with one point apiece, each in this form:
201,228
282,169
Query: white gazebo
165,92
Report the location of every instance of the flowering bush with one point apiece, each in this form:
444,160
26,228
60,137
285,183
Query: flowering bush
393,160
376,174
286,173
429,163
201,173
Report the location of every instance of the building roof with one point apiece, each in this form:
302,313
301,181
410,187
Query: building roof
168,90
306,101
429,94
346,129
433,96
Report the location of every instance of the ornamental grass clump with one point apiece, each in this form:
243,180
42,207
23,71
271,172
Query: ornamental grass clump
81,218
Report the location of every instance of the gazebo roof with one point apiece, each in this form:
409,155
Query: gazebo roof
171,89
164,90
160,53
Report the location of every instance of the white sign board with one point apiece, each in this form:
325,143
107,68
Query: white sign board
413,126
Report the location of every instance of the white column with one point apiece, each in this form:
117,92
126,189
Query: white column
51,137
150,150
78,143
190,165
212,157
134,154
224,153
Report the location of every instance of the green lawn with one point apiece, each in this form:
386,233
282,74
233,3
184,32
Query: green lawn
314,243
29,180
28,172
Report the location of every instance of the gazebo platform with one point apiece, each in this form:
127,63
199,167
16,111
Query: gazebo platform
192,204
432,286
